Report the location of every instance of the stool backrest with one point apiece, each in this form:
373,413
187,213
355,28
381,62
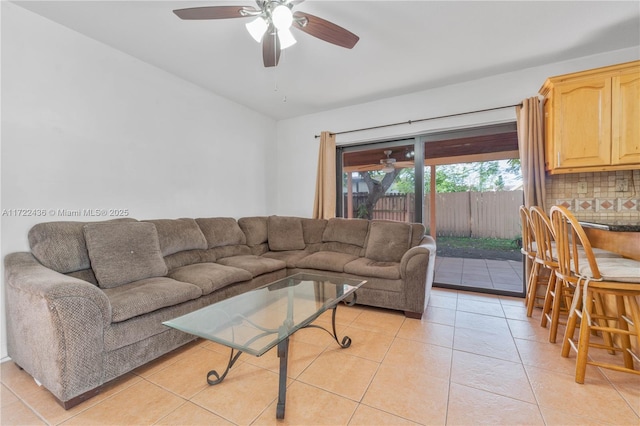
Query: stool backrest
570,238
528,237
544,235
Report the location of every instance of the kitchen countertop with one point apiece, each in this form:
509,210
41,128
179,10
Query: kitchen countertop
613,225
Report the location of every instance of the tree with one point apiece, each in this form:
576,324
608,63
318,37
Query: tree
486,172
405,183
377,189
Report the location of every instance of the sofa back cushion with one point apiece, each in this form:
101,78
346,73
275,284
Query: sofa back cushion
313,230
388,241
221,231
176,235
347,231
285,233
417,233
123,252
345,235
189,257
61,246
255,229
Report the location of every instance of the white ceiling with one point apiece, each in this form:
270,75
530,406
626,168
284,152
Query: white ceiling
404,46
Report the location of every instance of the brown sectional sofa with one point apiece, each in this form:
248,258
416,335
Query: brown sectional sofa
86,305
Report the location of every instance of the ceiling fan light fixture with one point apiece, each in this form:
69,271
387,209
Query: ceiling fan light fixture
286,38
388,162
282,17
257,28
271,25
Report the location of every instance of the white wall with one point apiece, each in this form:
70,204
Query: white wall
87,127
298,147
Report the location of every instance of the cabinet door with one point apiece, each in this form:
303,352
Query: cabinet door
549,148
582,123
625,119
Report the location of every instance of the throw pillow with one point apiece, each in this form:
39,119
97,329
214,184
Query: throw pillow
122,252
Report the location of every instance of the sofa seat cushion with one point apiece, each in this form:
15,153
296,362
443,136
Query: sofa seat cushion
326,260
291,257
124,252
210,276
384,285
256,265
148,295
372,268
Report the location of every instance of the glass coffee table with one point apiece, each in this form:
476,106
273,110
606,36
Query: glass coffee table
258,320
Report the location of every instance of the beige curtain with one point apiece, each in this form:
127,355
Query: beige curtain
324,206
531,146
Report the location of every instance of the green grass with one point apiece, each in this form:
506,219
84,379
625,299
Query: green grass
498,244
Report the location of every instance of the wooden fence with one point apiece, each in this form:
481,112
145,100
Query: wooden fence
458,214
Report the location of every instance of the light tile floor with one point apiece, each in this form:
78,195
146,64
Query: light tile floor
472,359
483,275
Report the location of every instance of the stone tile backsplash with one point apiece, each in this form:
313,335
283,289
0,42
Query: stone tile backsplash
599,195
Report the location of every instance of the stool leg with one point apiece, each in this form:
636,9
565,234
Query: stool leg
533,288
602,321
625,340
634,314
572,321
560,289
527,273
548,299
583,340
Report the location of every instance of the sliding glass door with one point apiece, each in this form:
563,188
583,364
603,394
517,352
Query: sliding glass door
380,181
462,185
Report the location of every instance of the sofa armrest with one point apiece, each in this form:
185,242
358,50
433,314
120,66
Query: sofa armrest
417,268
55,326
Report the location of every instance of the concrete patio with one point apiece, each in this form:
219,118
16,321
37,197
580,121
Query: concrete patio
502,277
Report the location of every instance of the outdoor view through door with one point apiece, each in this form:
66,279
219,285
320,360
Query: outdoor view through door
466,191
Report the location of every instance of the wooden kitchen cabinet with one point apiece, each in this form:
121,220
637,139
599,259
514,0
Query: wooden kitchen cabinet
592,120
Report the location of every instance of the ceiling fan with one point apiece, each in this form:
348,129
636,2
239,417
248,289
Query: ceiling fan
388,163
272,25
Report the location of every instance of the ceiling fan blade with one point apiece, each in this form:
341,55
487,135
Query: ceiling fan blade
325,30
270,48
213,12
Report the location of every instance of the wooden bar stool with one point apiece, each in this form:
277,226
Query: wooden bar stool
597,280
557,292
559,295
529,249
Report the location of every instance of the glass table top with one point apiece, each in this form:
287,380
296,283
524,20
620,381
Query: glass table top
255,321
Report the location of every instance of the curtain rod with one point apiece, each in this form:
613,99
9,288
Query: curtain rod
421,119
